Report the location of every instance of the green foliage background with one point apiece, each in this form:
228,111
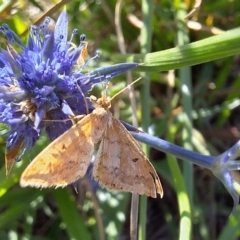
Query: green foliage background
205,120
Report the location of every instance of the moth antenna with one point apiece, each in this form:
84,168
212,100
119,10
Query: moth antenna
84,99
104,88
71,118
125,88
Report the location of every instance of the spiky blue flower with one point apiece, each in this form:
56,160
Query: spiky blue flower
42,83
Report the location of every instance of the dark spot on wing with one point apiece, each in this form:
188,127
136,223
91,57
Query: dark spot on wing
135,159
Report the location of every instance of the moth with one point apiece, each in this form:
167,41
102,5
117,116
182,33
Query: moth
120,163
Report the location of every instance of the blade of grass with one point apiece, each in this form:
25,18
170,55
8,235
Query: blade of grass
186,90
206,50
231,229
68,210
182,195
15,204
145,41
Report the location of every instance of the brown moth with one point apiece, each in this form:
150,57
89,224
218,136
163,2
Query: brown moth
120,163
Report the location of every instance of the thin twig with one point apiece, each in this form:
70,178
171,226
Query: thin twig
195,9
50,12
122,48
95,207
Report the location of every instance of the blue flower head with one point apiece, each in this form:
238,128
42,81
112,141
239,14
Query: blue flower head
41,83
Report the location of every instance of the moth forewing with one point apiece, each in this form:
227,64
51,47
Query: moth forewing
67,158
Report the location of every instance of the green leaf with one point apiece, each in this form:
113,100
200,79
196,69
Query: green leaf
212,48
68,210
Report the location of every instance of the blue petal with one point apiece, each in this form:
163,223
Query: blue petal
38,117
11,96
66,109
104,74
48,48
61,28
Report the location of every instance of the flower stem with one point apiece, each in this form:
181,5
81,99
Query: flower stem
179,152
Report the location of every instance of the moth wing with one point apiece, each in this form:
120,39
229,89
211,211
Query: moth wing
122,165
63,161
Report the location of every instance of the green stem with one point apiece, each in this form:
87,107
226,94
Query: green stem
186,90
182,195
146,36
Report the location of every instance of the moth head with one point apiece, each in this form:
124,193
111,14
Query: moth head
104,102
